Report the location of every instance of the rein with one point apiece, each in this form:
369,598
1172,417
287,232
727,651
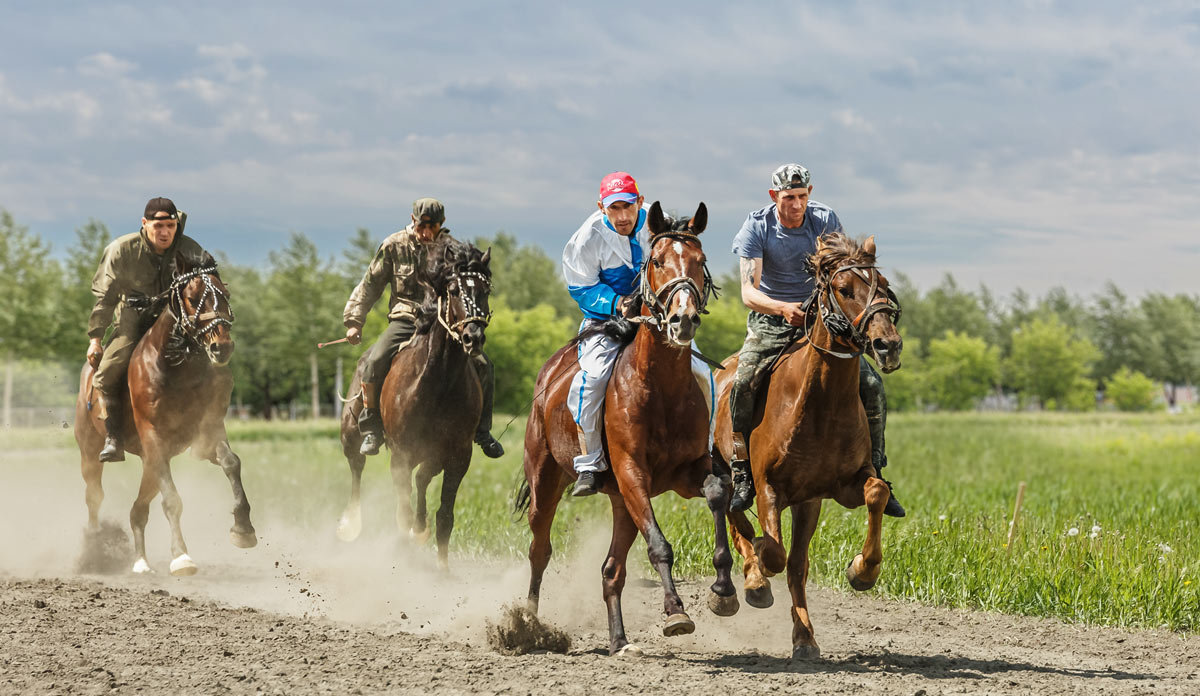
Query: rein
188,331
850,332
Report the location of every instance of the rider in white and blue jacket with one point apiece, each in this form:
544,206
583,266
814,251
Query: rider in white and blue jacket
601,264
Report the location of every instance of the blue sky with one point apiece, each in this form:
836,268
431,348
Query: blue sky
1023,144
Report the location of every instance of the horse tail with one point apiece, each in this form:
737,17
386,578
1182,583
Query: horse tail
524,494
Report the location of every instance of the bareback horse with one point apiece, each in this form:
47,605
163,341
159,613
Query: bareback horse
810,439
656,433
431,399
179,385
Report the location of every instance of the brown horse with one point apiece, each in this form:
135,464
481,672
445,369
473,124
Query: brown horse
656,430
810,439
178,392
431,399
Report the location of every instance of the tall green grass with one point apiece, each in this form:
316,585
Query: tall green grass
1129,485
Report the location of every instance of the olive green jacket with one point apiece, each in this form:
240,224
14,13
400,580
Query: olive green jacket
396,264
130,267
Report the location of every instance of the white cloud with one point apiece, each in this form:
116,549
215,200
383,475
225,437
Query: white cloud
105,65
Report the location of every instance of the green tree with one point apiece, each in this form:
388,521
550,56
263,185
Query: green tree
519,342
723,330
357,256
905,387
525,277
29,285
1173,332
946,307
1131,391
1119,330
77,300
960,370
1048,362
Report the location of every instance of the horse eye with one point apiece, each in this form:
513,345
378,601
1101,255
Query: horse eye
846,293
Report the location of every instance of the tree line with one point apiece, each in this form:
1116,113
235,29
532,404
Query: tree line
962,347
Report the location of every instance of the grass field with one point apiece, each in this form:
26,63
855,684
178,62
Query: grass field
1108,534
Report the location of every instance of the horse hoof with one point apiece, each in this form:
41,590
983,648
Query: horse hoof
243,540
183,566
856,582
723,606
419,537
141,567
678,625
760,597
806,652
350,526
629,650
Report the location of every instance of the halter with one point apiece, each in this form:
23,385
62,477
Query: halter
188,330
841,327
651,298
475,315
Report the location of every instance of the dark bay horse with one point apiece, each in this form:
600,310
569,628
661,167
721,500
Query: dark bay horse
656,433
178,392
810,439
431,399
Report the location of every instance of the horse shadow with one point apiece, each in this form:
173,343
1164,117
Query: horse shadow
929,666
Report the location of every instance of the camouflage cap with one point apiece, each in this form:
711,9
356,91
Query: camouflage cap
429,210
790,176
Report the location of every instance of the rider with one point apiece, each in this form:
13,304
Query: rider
601,264
133,268
773,244
396,264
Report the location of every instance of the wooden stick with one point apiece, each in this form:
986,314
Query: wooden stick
1012,526
330,343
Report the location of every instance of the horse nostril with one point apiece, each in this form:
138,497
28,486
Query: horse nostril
881,346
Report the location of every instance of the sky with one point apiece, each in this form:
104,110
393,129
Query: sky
1015,145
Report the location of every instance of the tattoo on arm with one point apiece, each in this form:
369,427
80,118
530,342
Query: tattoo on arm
748,272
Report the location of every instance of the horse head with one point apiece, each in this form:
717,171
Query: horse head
200,302
461,281
675,279
854,300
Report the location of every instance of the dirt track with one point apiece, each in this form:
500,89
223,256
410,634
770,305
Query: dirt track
96,635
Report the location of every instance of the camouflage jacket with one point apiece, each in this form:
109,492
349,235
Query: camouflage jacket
128,268
397,264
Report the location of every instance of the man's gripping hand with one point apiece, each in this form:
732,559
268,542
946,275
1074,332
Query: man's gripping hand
793,314
354,335
94,352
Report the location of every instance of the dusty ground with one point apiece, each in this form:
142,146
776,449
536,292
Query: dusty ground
305,613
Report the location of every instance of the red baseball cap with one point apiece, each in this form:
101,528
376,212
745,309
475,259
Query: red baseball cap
618,186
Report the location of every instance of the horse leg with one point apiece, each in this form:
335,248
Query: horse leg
546,483
172,505
242,533
139,514
662,556
401,466
350,524
804,523
451,479
420,528
722,598
612,575
864,569
92,469
755,583
770,545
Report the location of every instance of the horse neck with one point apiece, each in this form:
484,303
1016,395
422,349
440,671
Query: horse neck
829,372
653,354
444,351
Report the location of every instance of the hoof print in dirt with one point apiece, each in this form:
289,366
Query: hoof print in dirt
520,632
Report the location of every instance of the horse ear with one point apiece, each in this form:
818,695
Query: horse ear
656,220
699,221
868,246
487,256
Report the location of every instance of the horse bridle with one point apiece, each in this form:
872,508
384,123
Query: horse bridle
189,328
850,331
653,299
474,314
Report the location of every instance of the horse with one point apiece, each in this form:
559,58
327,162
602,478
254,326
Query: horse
810,439
179,385
431,399
656,433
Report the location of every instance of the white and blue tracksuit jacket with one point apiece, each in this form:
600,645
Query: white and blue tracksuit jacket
600,266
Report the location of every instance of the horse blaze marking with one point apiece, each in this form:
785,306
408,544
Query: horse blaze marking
470,283
678,246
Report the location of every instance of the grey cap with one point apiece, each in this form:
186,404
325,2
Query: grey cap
429,210
790,176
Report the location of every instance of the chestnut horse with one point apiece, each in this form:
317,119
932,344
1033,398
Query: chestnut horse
810,439
431,399
656,431
179,385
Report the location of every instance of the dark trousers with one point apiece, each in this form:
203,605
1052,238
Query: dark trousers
398,332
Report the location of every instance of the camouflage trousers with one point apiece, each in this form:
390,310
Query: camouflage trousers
766,337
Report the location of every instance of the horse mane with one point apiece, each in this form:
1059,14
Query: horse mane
446,258
835,250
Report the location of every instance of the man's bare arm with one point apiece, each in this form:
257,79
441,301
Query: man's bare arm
752,297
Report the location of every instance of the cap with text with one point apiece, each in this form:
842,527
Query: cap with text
790,176
618,186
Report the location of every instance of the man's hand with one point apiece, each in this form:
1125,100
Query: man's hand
354,335
792,314
94,352
627,306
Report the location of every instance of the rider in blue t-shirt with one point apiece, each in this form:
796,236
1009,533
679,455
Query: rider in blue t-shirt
773,245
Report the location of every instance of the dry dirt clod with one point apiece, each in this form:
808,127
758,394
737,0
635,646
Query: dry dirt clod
520,632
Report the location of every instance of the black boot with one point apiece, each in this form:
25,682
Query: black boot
586,484
490,445
370,424
743,480
113,450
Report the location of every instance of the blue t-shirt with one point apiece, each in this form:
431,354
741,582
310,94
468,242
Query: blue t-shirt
783,250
